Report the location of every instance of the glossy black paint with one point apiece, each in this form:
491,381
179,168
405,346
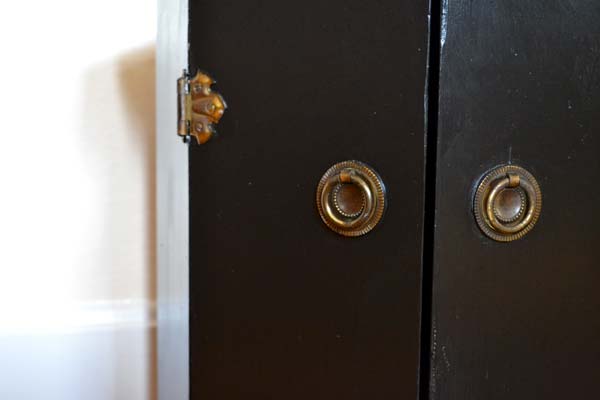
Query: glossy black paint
281,307
520,83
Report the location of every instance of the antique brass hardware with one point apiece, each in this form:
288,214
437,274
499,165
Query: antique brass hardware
199,107
507,203
351,198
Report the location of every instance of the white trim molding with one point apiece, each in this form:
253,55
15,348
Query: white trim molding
172,206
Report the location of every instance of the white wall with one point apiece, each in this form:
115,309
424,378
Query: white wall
77,258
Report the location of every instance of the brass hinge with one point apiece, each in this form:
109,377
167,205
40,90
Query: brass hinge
199,108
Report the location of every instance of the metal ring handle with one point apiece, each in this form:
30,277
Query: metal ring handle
371,190
353,176
496,189
502,222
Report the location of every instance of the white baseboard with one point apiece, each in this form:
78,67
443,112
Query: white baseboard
95,351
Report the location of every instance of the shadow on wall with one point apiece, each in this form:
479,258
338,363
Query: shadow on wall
118,144
137,75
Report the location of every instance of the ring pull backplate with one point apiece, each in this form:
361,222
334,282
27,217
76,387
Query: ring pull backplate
508,203
351,198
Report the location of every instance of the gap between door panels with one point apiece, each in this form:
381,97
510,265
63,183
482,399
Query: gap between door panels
431,140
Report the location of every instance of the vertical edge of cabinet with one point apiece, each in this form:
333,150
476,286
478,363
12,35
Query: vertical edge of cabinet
172,245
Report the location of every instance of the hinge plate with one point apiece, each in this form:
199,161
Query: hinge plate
199,108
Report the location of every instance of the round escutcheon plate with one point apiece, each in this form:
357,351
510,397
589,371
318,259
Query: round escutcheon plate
507,203
351,198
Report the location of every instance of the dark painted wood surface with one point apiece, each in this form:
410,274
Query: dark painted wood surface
520,82
281,307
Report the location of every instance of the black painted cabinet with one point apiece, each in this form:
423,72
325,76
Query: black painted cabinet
519,83
426,305
282,307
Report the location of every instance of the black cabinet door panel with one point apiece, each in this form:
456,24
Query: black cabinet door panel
519,83
280,306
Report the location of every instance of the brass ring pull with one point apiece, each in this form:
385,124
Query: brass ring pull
348,211
507,203
333,213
